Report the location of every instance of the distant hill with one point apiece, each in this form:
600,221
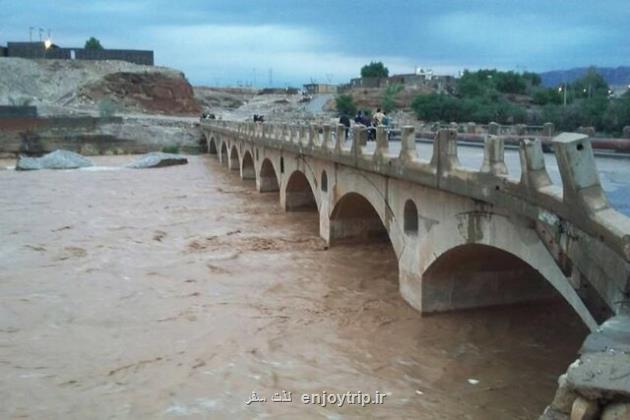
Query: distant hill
614,76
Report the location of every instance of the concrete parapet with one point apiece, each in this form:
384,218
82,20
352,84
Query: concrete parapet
580,180
626,132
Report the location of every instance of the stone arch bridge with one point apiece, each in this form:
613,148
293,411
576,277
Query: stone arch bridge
462,238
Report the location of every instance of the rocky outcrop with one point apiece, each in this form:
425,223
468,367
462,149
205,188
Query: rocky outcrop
150,92
59,159
157,160
597,385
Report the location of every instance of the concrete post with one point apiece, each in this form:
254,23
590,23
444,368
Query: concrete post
580,180
626,132
408,151
285,132
327,143
534,175
548,129
302,134
494,156
341,138
471,128
493,129
312,132
382,143
359,139
444,157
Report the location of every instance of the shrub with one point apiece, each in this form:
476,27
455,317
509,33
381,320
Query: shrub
172,148
345,105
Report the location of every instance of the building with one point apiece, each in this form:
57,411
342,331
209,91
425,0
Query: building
315,88
41,50
420,80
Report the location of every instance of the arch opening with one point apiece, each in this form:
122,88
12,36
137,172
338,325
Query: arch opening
268,177
299,194
248,171
224,154
474,275
324,182
212,146
233,163
354,219
411,218
203,144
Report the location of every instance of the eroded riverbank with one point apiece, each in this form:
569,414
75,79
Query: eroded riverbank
176,292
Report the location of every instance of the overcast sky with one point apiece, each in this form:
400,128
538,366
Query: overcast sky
296,41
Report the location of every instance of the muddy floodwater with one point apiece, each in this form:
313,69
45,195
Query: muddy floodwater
178,292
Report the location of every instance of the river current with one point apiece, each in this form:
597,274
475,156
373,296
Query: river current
180,292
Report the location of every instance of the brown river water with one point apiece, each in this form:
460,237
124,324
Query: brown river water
177,292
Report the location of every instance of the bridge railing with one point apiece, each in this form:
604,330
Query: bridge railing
579,199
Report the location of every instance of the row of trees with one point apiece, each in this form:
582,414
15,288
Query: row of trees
491,95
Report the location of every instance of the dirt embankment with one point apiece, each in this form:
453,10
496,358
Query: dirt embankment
62,87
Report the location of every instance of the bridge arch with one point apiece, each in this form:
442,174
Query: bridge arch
374,190
248,170
223,158
212,146
497,241
234,162
268,177
299,192
355,218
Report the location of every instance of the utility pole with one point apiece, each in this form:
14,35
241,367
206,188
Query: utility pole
30,33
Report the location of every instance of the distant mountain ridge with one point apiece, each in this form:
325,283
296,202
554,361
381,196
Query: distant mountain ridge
614,76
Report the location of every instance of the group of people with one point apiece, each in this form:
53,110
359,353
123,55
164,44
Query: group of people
378,118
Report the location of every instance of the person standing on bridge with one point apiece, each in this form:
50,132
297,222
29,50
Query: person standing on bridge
378,117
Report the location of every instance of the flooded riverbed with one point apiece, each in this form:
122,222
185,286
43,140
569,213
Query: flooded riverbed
177,292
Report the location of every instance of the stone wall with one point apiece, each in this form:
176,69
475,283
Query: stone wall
38,50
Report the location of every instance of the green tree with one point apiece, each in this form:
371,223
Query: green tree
93,44
345,105
374,69
591,85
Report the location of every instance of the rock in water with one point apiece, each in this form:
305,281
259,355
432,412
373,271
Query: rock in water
157,160
59,159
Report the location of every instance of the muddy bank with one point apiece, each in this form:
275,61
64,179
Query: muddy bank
176,292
